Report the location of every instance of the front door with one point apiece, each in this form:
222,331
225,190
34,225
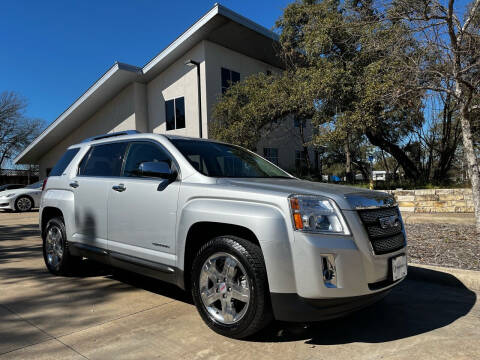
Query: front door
142,212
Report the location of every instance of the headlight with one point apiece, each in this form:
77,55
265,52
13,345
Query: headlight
317,214
9,195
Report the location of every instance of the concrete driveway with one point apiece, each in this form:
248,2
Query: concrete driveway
102,314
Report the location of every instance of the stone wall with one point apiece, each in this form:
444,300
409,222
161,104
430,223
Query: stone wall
435,200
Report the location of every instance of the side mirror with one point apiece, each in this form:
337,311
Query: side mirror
157,169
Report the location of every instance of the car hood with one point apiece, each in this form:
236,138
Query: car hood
18,191
346,197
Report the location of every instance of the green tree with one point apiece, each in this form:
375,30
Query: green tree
449,64
336,77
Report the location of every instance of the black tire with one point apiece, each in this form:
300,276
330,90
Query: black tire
26,200
258,314
68,263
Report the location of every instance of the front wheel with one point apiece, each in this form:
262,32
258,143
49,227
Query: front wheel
230,288
23,204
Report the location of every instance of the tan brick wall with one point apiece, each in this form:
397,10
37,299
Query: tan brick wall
434,200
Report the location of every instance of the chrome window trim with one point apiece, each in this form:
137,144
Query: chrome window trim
129,141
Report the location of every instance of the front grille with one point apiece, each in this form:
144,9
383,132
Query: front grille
388,244
384,239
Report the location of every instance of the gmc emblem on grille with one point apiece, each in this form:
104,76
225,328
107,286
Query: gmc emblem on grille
389,222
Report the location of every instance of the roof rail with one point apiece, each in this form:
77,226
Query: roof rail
104,136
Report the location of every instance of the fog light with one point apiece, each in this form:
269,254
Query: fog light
329,271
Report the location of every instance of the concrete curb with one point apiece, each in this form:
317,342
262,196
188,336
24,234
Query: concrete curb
445,276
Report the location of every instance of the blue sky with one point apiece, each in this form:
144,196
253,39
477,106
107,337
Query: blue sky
55,50
52,51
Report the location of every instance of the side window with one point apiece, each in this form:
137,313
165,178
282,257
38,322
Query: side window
271,154
103,160
62,164
229,77
175,113
143,152
198,163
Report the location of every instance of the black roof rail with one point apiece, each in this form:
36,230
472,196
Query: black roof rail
104,136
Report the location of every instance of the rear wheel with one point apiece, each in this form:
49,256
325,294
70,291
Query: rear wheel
229,286
55,248
23,204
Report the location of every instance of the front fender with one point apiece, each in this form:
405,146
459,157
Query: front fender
265,221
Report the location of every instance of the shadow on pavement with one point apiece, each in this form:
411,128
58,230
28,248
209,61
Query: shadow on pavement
18,232
18,250
414,307
152,285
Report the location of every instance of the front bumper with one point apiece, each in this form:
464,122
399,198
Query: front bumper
7,204
361,276
293,308
357,270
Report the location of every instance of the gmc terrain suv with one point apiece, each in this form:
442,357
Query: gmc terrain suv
250,241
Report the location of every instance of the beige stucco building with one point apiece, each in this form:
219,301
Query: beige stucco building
163,97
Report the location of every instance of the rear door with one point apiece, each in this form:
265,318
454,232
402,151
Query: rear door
98,171
142,214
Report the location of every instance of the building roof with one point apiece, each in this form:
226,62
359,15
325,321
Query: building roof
220,25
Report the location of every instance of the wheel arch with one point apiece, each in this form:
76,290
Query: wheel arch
203,231
49,212
261,224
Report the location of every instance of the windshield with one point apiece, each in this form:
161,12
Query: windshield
222,160
36,185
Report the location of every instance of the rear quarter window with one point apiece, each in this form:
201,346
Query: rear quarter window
62,164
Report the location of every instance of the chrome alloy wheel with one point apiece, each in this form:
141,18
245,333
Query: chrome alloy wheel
224,288
24,204
54,246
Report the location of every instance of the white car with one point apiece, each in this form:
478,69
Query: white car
24,199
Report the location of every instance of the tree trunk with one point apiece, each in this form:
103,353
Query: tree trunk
348,163
307,160
387,175
365,173
306,155
408,165
472,162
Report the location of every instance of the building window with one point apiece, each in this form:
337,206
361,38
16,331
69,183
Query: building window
229,77
271,154
297,122
175,113
299,159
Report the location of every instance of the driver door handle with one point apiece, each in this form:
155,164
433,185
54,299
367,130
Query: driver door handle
74,184
119,187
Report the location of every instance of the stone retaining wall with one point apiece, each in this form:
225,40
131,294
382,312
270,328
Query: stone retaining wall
434,200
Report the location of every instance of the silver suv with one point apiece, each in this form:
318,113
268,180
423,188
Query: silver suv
250,241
